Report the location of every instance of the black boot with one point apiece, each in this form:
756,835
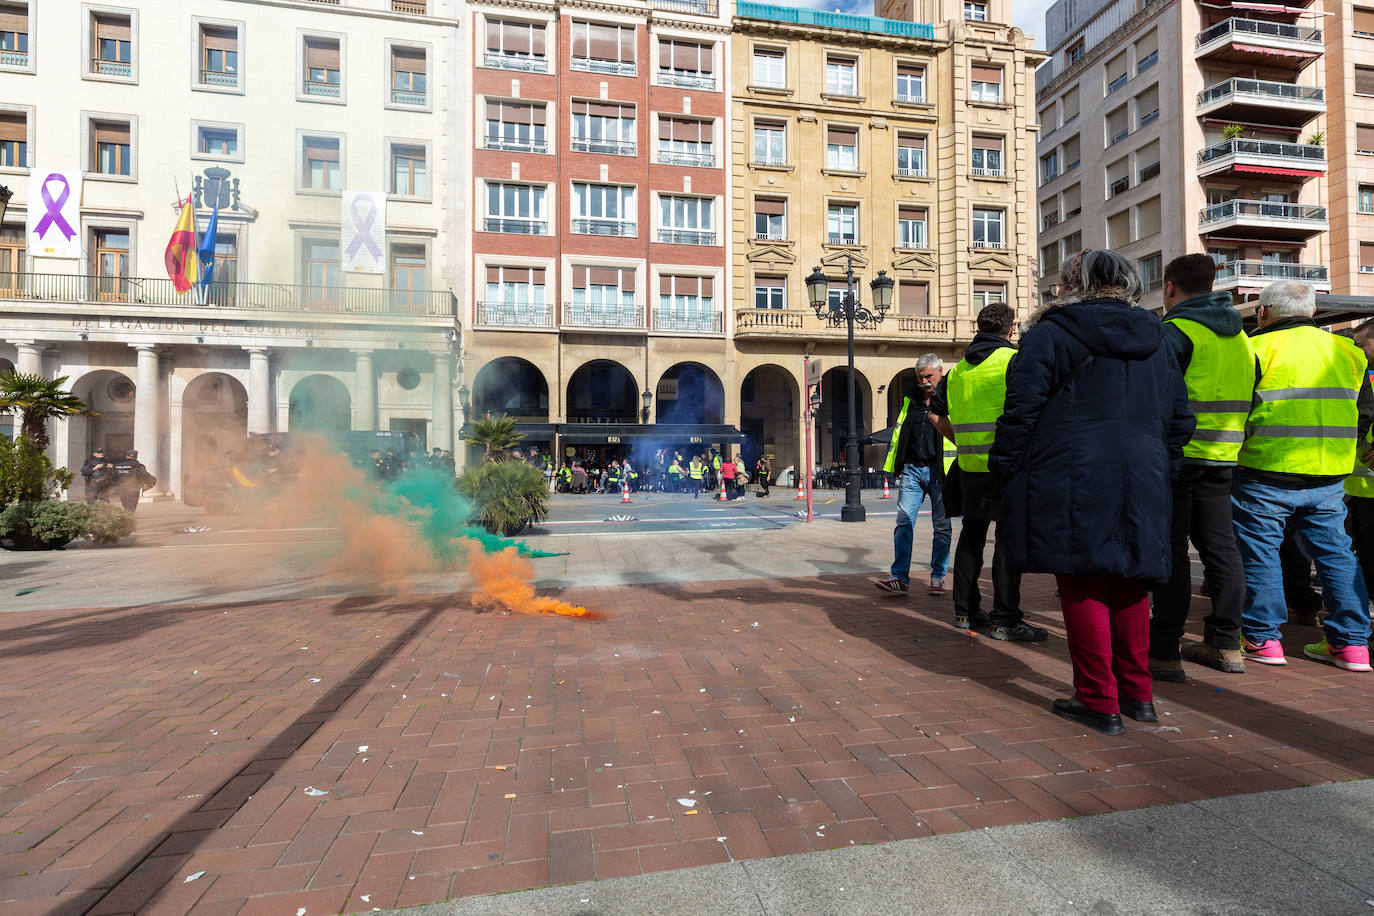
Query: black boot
1108,723
1140,710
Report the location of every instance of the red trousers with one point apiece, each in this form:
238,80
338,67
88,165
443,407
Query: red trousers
1107,619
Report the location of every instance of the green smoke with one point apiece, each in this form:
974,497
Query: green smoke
427,499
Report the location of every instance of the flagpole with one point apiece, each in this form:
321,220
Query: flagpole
197,286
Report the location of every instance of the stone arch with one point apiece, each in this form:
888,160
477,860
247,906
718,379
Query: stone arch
602,390
770,403
512,386
831,422
320,404
903,385
214,421
698,396
110,393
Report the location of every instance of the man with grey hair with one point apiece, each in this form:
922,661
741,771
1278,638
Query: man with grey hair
917,454
1300,444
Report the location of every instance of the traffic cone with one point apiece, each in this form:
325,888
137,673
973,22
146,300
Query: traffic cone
722,497
801,489
625,491
887,494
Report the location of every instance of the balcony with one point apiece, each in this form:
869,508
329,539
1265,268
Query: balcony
988,173
583,315
526,63
1259,43
274,297
414,7
1258,274
686,237
770,236
695,160
604,147
605,227
408,97
1262,157
515,145
694,7
910,99
515,226
219,79
746,9
1263,219
776,162
841,238
1262,102
687,79
321,90
707,323
14,58
515,314
803,323
608,67
117,68
909,172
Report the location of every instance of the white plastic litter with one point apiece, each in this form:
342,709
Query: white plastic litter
362,748
418,832
314,680
686,802
366,898
190,878
311,790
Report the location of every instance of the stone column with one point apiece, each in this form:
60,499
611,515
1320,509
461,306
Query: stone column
365,392
442,425
259,391
30,360
146,408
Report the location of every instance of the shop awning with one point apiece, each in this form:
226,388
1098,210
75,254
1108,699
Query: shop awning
1275,170
535,432
1275,52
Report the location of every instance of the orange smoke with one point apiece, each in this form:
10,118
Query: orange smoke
502,581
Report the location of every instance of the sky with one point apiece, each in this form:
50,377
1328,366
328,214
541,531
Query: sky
1028,15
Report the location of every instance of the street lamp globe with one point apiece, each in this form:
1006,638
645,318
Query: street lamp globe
647,397
818,290
882,291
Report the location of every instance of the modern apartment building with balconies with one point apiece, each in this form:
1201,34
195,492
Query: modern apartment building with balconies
1245,84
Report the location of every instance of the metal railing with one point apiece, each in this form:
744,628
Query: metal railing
281,297
1262,90
1149,118
324,90
841,238
686,80
583,315
1276,148
415,7
747,9
515,314
14,58
770,236
111,67
686,237
911,172
1119,136
709,323
605,147
1120,186
1246,28
408,97
1146,62
696,160
1117,83
512,145
219,78
995,243
516,226
502,60
770,160
1262,210
989,172
1149,171
1270,270
1051,219
910,99
610,67
699,7
785,320
605,227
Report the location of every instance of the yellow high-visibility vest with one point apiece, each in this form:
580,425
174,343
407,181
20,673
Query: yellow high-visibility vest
1221,387
976,396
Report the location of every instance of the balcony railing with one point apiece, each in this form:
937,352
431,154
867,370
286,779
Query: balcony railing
770,236
910,99
1265,271
989,173
605,147
841,238
1051,219
989,243
1149,171
515,145
686,237
515,314
909,172
516,226
280,297
1304,153
414,7
1146,62
698,7
583,315
111,67
1117,83
695,160
1149,117
528,63
14,58
1262,210
1262,91
770,160
605,227
748,9
610,67
1251,29
1120,186
684,79
323,90
219,78
784,321
407,97
709,323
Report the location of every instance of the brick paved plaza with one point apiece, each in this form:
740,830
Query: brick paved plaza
348,754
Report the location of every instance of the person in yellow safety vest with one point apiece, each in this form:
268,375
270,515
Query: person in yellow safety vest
967,404
1218,364
1359,486
1301,439
565,478
695,472
714,478
918,456
675,475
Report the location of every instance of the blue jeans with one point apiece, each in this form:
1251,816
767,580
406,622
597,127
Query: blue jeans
1261,510
916,484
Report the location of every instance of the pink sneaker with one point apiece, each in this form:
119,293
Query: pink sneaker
1351,658
1269,653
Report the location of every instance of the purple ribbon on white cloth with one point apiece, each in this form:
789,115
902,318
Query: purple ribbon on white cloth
362,228
53,216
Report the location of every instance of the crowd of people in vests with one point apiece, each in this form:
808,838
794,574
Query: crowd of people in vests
665,471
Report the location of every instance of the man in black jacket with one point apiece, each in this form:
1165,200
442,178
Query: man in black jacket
97,472
131,478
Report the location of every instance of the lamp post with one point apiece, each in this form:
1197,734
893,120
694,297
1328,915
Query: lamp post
5,195
846,311
647,397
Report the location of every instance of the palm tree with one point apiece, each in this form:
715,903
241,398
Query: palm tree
38,400
495,434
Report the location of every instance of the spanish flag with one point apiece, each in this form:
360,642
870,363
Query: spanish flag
183,266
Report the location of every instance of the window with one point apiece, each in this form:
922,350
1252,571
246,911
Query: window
1147,105
770,219
515,295
841,76
686,303
1366,198
770,292
1071,244
985,294
1049,259
1152,272
842,149
14,140
600,48
112,267
408,281
516,208
1118,177
1364,23
1147,161
1119,229
12,249
911,155
1364,80
842,224
1075,52
770,143
987,228
603,127
112,45
1069,105
686,220
603,296
911,83
516,127
1118,128
323,272
1364,138
321,164
685,142
986,157
986,84
603,209
1147,219
1117,73
1049,166
1366,258
409,170
111,148
685,64
1146,52
408,77
911,227
1073,201
223,288
322,77
217,142
515,45
769,71
1049,213
975,10
913,299
14,35
1072,153
219,56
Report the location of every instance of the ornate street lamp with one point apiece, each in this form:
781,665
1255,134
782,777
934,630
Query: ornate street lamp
846,311
647,397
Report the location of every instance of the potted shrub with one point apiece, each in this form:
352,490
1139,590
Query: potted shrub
44,524
506,495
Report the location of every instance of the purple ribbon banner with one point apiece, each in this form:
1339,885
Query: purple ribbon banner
52,215
362,228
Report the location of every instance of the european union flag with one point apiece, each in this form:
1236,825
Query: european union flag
207,247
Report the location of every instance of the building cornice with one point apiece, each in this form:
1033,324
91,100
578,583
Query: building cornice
342,10
1099,50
